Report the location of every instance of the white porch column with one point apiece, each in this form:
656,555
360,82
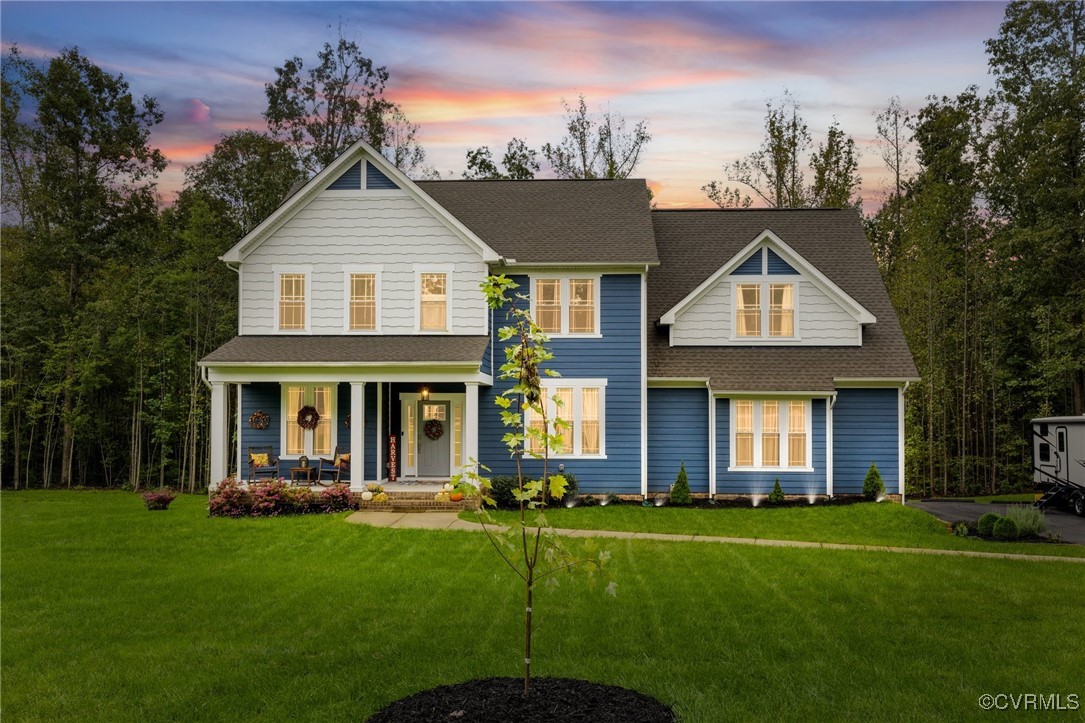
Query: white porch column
380,432
219,445
357,436
711,444
829,445
470,424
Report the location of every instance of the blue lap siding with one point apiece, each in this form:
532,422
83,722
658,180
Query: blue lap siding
267,396
792,483
864,431
614,357
677,433
778,266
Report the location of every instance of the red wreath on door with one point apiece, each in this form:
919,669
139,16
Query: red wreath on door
308,417
434,429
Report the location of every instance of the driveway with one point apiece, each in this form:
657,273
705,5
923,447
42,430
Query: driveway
1069,526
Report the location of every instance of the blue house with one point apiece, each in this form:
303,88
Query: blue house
750,345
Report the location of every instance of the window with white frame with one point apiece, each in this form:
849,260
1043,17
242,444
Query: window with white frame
291,301
567,306
770,434
362,312
581,405
753,316
433,301
297,440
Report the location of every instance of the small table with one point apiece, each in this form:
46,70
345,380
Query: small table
304,473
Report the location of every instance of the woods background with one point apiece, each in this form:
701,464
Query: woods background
109,298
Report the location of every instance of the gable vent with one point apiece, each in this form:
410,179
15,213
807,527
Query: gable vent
374,179
777,265
351,180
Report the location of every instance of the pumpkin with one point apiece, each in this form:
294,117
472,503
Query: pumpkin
456,496
367,496
448,487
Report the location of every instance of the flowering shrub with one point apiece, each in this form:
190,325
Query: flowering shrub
337,498
298,500
158,499
268,498
229,499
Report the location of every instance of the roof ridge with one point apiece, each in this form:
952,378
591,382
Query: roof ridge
747,210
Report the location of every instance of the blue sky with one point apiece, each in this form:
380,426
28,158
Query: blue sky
478,73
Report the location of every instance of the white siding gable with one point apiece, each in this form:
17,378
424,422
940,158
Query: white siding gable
340,230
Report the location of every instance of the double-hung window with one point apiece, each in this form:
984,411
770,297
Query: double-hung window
291,300
770,434
296,440
567,306
581,405
361,299
433,300
753,316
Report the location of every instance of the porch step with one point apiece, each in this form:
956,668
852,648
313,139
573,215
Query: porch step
415,502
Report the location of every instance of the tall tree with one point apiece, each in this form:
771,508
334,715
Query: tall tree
835,167
596,146
322,109
250,173
520,163
77,149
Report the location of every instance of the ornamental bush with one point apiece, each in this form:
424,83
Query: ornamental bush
776,497
269,498
680,494
1030,520
502,488
159,499
873,487
229,499
337,498
986,524
1006,529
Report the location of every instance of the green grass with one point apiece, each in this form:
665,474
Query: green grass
113,613
866,523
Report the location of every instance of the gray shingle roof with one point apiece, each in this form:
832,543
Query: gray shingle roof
555,221
359,349
694,244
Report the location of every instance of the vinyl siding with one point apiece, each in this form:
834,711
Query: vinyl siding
865,431
616,357
264,396
677,433
823,322
707,322
390,230
792,483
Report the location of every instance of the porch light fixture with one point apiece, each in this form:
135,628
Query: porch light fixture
425,394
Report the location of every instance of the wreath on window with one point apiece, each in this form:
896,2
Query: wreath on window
434,429
259,420
308,417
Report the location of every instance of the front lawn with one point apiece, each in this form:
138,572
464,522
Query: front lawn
113,613
865,523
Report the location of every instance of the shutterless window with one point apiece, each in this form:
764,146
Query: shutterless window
589,420
291,302
581,410
1045,452
548,305
770,434
433,305
743,433
363,302
582,306
749,310
302,441
781,310
796,434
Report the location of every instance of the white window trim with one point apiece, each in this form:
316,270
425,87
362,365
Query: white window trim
377,272
783,432
448,271
549,385
764,281
307,272
565,299
286,414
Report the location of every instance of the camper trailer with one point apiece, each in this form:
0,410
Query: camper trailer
1058,461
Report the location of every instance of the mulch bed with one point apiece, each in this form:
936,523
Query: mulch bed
494,700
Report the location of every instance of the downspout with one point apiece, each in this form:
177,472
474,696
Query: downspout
900,431
203,376
712,479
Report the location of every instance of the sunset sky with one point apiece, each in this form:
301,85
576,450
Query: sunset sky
478,73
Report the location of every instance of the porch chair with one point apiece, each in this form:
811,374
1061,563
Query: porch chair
262,461
333,470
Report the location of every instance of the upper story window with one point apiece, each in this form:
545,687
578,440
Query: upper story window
567,306
771,433
752,316
433,302
580,403
292,313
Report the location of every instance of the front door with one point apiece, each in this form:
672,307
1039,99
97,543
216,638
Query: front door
434,429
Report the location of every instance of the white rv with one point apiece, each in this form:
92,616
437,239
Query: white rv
1058,461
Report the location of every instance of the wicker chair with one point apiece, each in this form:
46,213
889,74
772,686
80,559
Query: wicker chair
271,469
332,470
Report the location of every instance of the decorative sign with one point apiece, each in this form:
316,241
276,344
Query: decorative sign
393,456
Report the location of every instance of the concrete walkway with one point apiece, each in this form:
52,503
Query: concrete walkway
452,521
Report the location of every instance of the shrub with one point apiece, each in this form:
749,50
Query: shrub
1030,520
986,524
572,487
229,499
158,499
873,487
269,498
338,498
503,486
960,529
1006,529
680,494
588,500
298,499
776,497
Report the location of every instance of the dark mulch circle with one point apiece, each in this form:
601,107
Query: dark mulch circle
494,700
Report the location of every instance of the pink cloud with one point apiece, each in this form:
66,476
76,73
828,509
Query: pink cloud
198,111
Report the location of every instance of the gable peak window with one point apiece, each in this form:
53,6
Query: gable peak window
753,316
566,306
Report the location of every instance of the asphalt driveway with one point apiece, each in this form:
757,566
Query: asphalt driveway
1069,526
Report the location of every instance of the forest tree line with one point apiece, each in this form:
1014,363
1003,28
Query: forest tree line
109,298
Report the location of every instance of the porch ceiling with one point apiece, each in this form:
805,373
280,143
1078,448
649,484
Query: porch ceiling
369,350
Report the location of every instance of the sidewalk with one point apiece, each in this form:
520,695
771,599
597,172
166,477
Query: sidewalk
452,521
